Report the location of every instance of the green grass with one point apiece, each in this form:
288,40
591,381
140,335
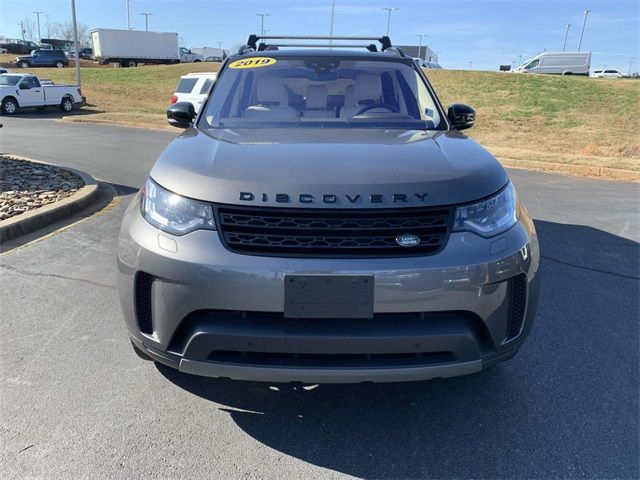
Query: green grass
546,118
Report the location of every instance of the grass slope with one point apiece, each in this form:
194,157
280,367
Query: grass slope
573,120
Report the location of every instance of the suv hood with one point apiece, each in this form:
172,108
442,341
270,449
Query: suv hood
322,168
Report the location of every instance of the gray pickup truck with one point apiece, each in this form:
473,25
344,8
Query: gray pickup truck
324,219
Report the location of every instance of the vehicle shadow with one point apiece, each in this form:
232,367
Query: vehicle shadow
54,112
564,406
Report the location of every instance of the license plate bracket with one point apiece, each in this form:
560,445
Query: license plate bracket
328,296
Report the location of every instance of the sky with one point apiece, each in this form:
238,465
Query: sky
486,33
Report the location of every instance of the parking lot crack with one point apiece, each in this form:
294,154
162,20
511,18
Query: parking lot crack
582,267
53,275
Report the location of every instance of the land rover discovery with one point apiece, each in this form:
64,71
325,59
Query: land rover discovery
323,219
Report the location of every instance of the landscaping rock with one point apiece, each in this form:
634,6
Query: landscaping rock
26,185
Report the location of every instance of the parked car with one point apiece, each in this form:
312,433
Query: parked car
187,56
19,90
17,46
608,74
45,46
3,70
559,63
194,88
325,219
43,58
213,59
85,53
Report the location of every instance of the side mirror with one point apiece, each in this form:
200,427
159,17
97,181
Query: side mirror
24,86
181,114
461,116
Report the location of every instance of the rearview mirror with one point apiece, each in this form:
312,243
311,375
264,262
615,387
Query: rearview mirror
461,116
181,114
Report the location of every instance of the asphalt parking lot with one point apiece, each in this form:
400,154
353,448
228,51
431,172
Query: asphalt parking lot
75,401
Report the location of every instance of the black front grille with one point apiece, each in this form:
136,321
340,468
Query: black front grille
517,305
339,232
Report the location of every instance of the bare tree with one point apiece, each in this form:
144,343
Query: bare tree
64,31
29,30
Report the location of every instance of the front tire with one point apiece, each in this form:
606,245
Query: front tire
66,105
129,64
9,106
196,61
59,65
24,65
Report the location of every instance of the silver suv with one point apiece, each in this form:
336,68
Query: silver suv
323,219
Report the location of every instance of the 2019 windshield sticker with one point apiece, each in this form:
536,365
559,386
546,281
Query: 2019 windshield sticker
253,62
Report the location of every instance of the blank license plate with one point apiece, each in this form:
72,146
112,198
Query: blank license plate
328,296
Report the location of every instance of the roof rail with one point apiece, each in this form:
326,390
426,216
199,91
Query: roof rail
252,43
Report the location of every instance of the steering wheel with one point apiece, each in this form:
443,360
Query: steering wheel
366,108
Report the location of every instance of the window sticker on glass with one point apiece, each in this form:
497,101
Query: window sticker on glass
253,62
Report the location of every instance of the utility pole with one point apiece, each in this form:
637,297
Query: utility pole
38,19
470,62
146,20
262,15
219,45
389,10
420,44
584,22
333,12
564,46
128,16
630,64
75,41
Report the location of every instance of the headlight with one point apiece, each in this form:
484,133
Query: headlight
489,217
172,213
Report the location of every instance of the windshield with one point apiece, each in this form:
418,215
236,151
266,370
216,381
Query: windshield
330,91
9,79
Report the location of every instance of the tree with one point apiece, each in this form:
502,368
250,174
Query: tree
64,31
29,30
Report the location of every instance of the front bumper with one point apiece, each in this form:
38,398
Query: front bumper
191,304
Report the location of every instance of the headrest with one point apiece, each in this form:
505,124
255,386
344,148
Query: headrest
271,90
316,97
350,96
368,86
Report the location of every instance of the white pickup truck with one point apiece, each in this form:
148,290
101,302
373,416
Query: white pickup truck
19,90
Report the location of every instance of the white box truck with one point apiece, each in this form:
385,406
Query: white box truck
131,47
559,63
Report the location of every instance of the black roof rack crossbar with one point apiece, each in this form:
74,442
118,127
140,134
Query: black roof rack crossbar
252,42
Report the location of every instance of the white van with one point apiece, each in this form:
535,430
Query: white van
559,63
194,88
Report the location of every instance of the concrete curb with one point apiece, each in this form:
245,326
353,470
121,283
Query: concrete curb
54,212
115,123
581,170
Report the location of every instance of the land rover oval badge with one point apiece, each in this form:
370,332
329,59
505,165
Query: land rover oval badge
407,240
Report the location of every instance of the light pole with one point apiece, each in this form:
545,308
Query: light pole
146,20
584,22
564,46
630,64
75,41
333,12
470,62
420,44
262,15
38,18
389,10
128,16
